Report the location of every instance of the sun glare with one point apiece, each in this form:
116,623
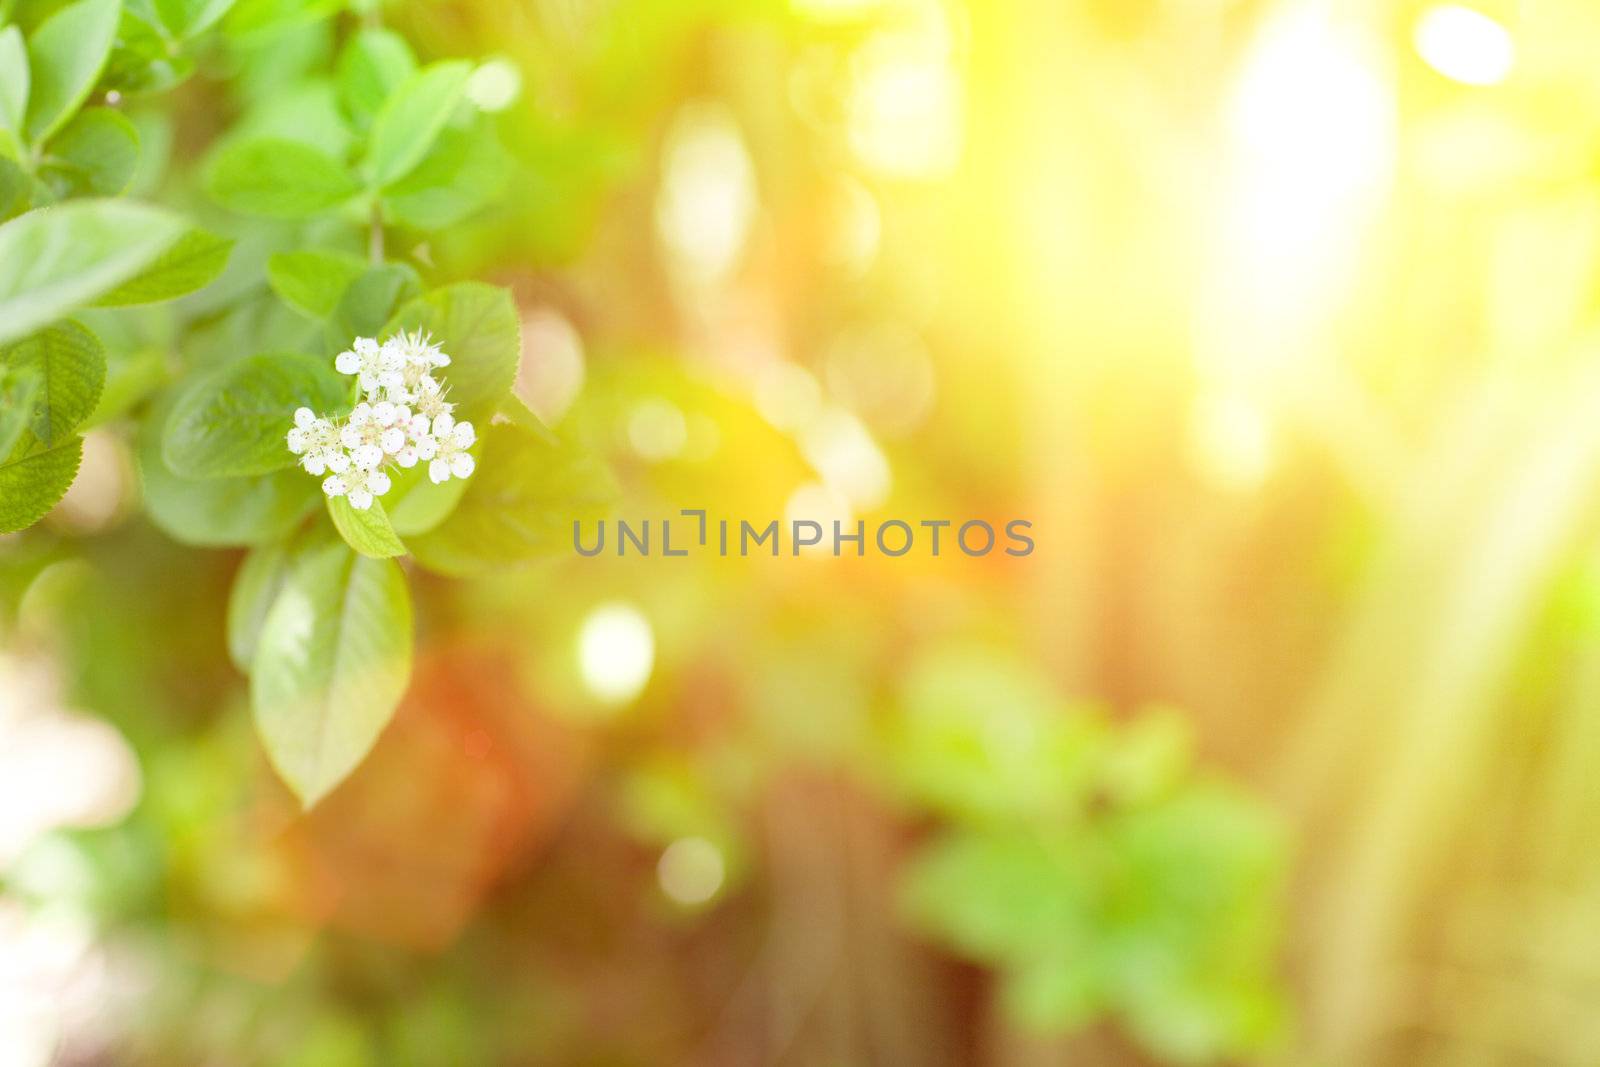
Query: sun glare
1465,45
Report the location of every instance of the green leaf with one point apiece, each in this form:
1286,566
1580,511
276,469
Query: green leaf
132,374
416,503
193,262
277,178
20,390
233,421
145,60
255,587
186,18
520,503
411,119
313,282
304,111
18,188
66,55
370,301
34,478
220,511
516,411
368,532
13,80
477,326
331,665
466,170
61,258
373,64
70,365
95,154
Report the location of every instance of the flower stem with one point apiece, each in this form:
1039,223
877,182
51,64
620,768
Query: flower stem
375,233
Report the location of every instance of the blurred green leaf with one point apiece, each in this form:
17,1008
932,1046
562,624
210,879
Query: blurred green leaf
95,154
367,531
277,178
477,326
255,587
416,503
14,80
233,421
194,261
18,189
981,737
69,363
373,64
314,281
65,56
305,112
331,663
132,374
145,59
55,260
465,171
412,118
186,18
520,503
219,511
369,302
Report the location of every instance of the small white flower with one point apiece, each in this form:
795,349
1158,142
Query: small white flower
452,458
428,399
417,350
315,441
375,366
365,486
370,435
403,418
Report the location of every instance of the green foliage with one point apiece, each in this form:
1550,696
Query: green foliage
477,324
14,83
411,120
33,477
466,169
367,530
374,63
374,138
65,56
313,282
232,422
417,504
186,18
191,263
219,512
94,155
53,262
255,587
519,505
277,178
331,661
1087,864
68,363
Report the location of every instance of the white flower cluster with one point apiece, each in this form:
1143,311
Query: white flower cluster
403,418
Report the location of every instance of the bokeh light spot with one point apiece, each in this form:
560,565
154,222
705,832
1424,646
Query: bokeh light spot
690,870
616,652
1464,45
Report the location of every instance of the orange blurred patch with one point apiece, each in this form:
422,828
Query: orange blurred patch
467,780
